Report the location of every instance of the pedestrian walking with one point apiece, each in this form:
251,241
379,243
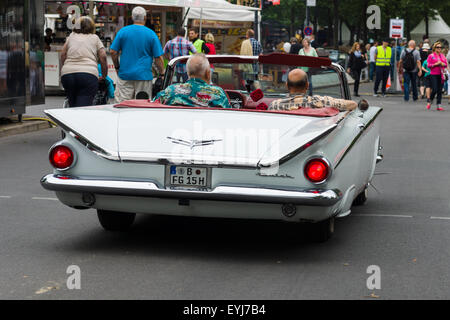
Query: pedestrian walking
307,50
437,63
255,45
137,46
178,47
198,43
209,38
286,47
251,46
312,41
372,51
295,46
79,56
448,68
356,63
412,67
426,79
383,56
48,39
424,51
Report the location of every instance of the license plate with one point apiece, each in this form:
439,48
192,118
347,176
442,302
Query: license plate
186,176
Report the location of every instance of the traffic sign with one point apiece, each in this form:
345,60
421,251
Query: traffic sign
396,27
307,31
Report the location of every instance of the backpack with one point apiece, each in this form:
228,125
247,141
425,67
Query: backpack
409,63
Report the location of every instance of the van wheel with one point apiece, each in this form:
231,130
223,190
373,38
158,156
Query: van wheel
323,230
115,221
361,198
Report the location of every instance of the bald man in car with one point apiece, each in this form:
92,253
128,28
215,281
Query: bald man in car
297,84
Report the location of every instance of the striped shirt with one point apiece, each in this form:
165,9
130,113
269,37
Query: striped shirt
294,102
178,47
256,47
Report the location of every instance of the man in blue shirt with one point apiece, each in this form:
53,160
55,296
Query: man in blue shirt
137,46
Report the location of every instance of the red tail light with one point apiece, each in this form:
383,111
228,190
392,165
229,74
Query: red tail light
61,157
317,170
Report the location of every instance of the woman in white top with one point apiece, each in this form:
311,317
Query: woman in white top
80,55
308,50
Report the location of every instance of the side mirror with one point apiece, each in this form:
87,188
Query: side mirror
363,105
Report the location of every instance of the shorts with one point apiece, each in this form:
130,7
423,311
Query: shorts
426,82
128,89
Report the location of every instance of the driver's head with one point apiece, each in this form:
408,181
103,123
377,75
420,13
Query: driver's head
198,67
297,81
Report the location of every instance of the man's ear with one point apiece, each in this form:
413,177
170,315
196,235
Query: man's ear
208,75
307,86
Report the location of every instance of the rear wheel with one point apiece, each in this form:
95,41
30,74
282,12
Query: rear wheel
115,221
361,198
323,230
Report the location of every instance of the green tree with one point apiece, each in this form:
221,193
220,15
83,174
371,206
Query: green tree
333,13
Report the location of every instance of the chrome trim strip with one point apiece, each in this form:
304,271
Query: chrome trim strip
345,91
311,197
251,59
297,151
176,159
357,138
114,156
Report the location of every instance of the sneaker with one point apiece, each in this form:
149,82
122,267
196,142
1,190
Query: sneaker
375,95
383,95
357,95
439,108
428,106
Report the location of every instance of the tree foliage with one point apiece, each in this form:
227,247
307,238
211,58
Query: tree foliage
353,12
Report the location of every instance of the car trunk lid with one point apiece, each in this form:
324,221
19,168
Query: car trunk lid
193,136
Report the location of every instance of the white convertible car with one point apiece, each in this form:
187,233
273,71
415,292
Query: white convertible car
302,166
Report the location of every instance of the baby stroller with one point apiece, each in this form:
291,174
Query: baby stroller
102,95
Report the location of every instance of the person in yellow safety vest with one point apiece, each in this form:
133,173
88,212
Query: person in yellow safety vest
383,55
199,44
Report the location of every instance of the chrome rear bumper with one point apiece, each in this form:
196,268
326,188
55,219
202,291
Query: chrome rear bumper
310,197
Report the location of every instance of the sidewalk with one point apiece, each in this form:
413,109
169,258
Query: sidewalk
11,125
366,89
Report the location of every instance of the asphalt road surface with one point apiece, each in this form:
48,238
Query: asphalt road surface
404,230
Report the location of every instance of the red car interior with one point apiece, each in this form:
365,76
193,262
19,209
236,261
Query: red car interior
319,112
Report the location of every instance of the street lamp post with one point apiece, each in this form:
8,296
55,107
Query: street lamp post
307,14
256,20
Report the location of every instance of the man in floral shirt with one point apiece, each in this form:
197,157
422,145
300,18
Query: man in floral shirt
196,92
297,84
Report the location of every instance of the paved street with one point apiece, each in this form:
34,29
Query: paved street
404,229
